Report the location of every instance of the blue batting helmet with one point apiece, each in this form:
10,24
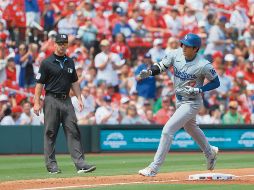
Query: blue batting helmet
192,40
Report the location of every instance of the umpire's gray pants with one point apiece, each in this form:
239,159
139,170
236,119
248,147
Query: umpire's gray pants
59,111
184,116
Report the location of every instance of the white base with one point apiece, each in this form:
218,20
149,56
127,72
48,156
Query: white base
212,176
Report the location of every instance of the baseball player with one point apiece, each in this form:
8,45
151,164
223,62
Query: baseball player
190,70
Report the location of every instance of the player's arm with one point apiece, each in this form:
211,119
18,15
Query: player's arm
213,83
157,68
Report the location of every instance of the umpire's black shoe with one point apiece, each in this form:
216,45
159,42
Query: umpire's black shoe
86,169
55,171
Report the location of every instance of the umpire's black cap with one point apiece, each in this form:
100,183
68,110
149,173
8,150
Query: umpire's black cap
61,38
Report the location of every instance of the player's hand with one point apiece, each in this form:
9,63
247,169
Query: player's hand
144,74
192,91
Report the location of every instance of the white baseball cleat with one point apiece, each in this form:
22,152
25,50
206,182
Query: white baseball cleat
211,160
148,172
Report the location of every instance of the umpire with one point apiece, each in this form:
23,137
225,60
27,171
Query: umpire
58,74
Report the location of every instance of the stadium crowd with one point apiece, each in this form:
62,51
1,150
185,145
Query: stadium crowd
112,41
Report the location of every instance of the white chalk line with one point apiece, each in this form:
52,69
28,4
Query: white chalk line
105,184
113,184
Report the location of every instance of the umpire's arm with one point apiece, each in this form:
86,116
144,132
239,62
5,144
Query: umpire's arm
38,91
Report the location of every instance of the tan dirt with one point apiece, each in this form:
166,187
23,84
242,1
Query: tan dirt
162,178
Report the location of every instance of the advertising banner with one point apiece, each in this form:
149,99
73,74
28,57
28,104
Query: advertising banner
133,140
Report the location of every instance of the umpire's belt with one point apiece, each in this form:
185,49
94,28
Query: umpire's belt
182,98
57,95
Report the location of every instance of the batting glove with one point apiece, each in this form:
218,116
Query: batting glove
144,74
193,91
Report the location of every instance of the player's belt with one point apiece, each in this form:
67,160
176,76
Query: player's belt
58,95
182,98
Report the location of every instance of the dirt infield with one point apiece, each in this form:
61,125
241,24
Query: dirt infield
244,176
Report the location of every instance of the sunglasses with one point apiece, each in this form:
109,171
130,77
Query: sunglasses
233,108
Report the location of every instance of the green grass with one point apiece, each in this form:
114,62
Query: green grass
17,167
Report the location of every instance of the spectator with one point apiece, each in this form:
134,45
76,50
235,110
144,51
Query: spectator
101,22
12,117
189,19
48,46
68,24
32,19
163,114
249,72
241,49
24,61
215,115
229,61
124,104
157,52
26,117
217,40
251,51
86,116
203,117
3,55
135,18
226,82
123,27
121,48
11,70
90,76
106,114
127,80
36,65
107,63
217,58
172,43
239,19
210,22
86,7
146,88
232,116
248,35
173,21
140,31
155,22
4,102
48,15
81,77
88,33
143,108
132,116
113,93
240,82
4,34
150,116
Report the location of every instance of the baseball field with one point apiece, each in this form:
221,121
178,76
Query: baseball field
119,171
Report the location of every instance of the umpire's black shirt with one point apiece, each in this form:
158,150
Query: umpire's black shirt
57,73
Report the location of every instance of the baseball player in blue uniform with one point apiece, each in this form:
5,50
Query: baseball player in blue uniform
190,71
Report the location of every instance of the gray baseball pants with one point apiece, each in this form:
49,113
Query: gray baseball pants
184,116
59,111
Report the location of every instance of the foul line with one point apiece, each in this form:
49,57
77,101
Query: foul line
105,184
